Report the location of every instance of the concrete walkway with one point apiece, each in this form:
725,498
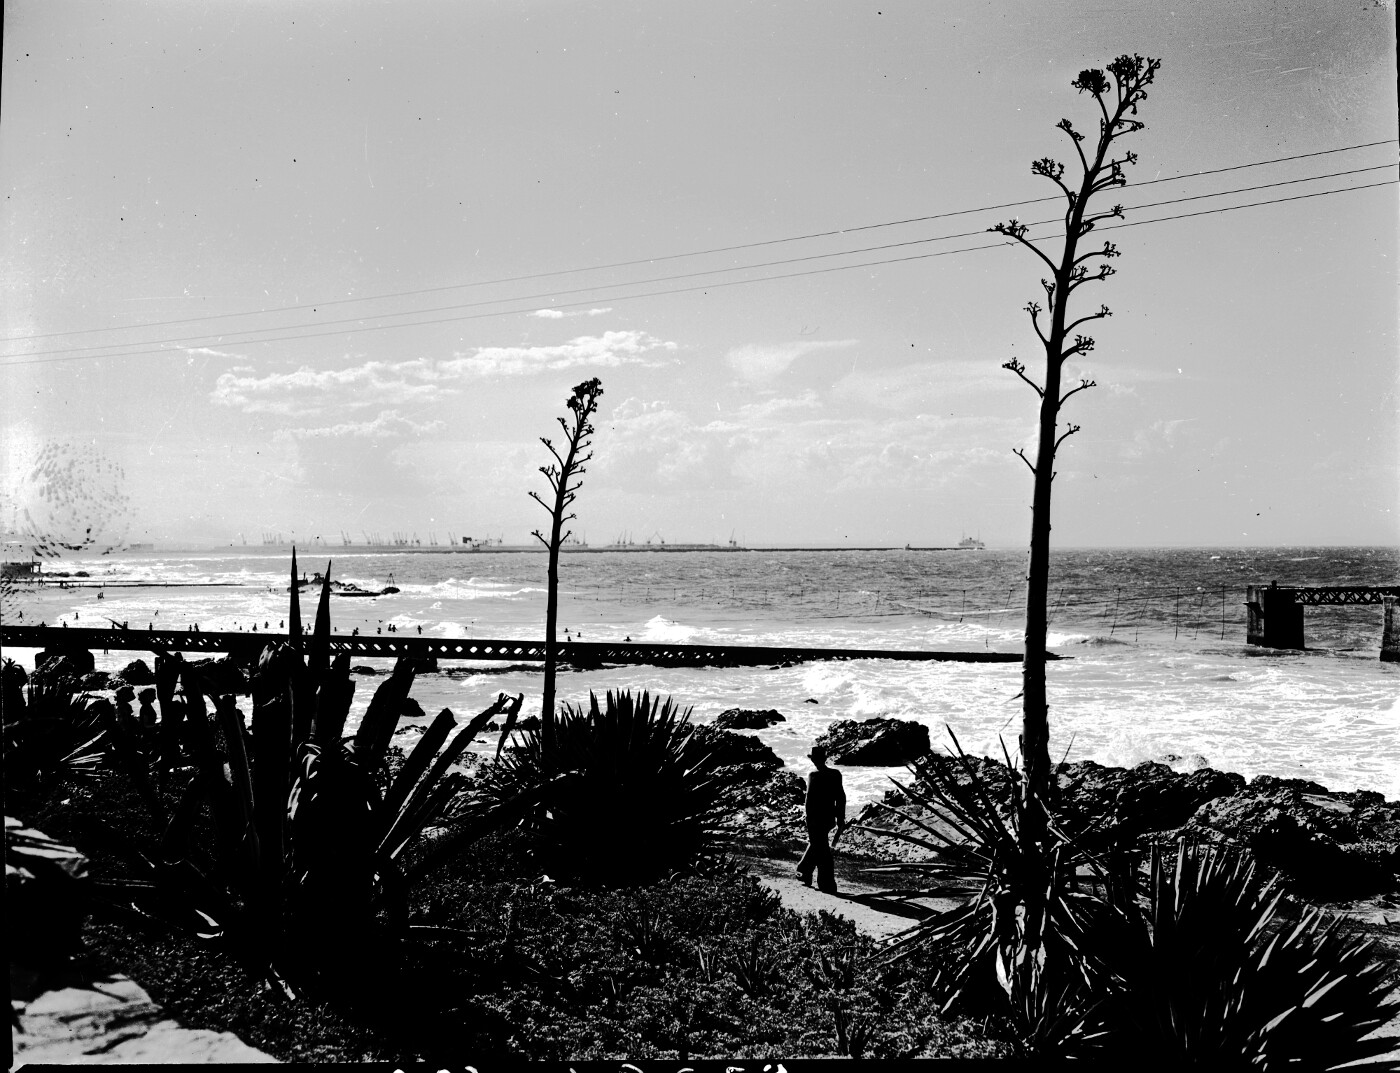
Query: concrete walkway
856,884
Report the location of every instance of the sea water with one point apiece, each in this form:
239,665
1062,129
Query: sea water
1157,667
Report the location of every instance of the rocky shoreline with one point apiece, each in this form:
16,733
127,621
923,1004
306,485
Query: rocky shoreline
1328,846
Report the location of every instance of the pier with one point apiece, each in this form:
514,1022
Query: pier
579,654
1276,612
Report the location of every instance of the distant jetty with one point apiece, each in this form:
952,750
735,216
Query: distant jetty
588,549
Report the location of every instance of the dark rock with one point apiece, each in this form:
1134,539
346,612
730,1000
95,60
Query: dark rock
363,670
66,669
136,673
748,719
811,700
1149,797
1314,863
878,742
79,660
749,757
1263,784
1361,799
757,792
423,664
222,676
97,680
1192,762
529,722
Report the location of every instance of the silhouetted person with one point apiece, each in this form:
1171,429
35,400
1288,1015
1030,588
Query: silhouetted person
147,714
825,809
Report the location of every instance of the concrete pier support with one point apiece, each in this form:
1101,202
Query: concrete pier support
1275,617
1390,638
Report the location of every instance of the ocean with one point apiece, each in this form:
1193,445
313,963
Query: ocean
1158,667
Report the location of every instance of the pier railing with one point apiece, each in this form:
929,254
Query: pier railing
581,654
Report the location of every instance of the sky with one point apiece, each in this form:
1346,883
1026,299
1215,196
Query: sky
311,269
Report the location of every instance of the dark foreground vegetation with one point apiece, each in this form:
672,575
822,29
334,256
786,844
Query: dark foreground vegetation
594,912
500,932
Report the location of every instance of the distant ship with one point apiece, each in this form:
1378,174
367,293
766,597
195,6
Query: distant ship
968,543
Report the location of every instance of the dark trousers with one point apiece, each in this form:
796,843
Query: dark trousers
818,858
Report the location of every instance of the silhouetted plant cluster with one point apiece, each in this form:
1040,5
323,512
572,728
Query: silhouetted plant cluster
284,847
1191,961
51,733
628,796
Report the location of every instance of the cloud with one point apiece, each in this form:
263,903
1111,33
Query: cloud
1159,437
210,352
388,425
560,314
928,385
607,350
755,362
307,392
782,446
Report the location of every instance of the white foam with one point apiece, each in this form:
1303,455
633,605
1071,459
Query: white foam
663,630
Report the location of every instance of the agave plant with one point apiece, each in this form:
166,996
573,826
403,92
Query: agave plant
1027,941
626,795
51,734
1216,979
305,852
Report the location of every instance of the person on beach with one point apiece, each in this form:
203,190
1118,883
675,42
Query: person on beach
825,809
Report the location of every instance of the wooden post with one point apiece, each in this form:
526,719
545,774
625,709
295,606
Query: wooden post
1275,618
1390,638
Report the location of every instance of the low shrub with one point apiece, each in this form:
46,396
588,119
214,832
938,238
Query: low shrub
626,796
1213,977
591,973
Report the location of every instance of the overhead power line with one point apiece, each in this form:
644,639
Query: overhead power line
672,256
188,344
248,334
